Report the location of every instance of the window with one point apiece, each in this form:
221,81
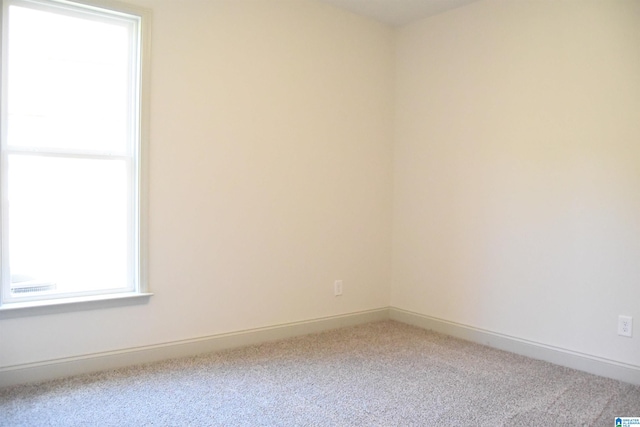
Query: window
72,153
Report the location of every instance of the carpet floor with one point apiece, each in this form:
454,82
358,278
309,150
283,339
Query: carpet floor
379,374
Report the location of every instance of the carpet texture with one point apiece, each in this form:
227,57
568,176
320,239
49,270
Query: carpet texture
378,374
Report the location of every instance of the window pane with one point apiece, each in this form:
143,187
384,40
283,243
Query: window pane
68,82
68,223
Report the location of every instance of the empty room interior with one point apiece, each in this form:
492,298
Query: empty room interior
475,171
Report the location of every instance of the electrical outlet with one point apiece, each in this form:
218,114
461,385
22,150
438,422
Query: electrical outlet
625,325
337,288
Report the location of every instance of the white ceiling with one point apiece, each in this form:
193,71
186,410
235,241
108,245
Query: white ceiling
398,12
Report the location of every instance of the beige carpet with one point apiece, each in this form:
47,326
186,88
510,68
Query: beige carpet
379,374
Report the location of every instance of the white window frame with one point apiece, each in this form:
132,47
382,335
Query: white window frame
97,9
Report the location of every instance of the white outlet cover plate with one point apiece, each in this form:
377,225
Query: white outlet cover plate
625,326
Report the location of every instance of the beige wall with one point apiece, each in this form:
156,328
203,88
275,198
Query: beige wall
516,174
271,130
517,171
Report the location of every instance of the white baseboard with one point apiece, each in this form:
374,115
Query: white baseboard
559,356
52,369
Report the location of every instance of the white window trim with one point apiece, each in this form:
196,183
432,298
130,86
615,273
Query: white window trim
141,293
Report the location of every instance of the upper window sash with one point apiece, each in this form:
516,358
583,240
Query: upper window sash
121,84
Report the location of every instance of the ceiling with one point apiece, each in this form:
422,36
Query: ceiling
398,12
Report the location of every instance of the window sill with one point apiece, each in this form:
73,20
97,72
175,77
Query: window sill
64,305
